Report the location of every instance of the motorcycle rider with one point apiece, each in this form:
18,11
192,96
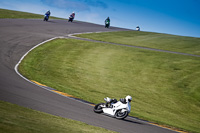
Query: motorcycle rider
46,16
73,15
126,99
107,20
122,100
138,28
48,13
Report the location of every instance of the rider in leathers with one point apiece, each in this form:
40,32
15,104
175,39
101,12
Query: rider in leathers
123,100
107,20
48,13
73,15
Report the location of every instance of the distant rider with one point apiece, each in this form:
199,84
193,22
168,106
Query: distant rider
107,20
48,13
72,15
122,100
138,28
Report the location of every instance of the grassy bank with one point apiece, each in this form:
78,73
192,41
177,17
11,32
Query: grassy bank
182,44
164,87
16,119
4,13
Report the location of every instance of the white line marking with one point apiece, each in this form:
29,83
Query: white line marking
16,66
72,35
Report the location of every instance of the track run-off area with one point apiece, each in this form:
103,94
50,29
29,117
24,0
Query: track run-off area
21,35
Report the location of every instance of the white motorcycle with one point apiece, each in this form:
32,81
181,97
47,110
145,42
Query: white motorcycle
138,28
118,109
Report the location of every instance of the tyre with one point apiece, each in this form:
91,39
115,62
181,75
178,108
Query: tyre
70,19
98,108
121,115
46,18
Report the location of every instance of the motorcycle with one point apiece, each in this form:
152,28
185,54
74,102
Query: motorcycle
117,109
46,17
107,24
71,18
138,28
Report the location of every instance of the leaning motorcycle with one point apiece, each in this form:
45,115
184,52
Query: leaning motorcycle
46,17
71,18
117,109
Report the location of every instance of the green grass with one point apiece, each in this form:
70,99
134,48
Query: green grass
182,44
4,13
165,87
16,119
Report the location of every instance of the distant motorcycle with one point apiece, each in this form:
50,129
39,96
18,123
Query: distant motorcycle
138,28
71,18
107,24
46,17
117,109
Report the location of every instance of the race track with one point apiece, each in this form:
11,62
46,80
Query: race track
17,36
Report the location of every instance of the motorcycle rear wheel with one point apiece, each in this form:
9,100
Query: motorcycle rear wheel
98,108
121,115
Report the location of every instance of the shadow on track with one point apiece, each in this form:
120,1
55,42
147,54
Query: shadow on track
132,121
50,21
127,120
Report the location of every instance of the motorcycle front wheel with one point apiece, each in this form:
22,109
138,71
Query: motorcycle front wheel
121,115
98,108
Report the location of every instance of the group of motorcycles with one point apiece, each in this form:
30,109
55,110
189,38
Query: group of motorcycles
46,18
71,18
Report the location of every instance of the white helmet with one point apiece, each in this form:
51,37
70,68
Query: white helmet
128,98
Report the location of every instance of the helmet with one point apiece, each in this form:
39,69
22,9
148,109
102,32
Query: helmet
128,98
73,12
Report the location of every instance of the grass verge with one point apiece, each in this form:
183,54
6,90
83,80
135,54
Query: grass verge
4,13
17,119
164,86
174,43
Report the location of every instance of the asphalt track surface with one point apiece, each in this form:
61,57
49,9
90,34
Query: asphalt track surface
17,36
